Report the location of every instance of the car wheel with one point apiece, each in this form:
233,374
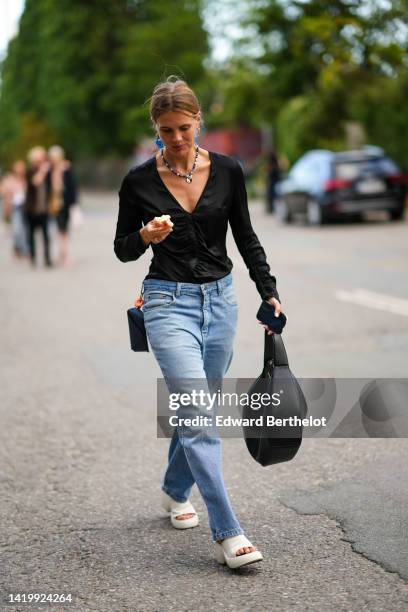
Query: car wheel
397,215
314,213
282,211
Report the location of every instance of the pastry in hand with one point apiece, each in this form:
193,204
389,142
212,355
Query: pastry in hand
164,219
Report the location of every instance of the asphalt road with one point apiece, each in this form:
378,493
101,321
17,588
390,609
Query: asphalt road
80,462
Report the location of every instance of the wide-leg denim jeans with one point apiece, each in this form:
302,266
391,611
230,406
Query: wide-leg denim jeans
191,330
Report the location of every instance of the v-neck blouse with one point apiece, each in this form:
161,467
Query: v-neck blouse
195,251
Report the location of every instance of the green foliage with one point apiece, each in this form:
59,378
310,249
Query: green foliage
81,72
160,45
323,64
30,131
380,107
86,69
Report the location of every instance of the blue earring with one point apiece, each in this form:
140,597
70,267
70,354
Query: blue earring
159,143
196,137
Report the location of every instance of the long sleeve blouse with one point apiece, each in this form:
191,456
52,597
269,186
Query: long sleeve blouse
195,252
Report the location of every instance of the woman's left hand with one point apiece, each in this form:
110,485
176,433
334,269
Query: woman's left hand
278,308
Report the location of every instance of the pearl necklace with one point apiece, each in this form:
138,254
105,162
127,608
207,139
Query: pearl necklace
189,176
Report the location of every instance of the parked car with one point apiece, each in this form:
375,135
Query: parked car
324,185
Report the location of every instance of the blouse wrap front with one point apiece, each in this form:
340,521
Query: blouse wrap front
195,252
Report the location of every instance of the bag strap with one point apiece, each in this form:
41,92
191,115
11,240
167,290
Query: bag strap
269,347
274,353
269,355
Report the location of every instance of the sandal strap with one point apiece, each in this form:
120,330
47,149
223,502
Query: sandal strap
182,508
231,545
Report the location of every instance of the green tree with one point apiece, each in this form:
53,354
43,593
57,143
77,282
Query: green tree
380,107
85,70
167,38
19,85
311,66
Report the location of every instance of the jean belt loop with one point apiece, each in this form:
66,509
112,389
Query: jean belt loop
219,287
178,289
142,291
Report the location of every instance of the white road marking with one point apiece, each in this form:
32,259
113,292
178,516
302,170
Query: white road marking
372,299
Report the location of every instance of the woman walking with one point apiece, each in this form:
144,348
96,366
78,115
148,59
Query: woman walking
273,178
13,190
62,197
37,201
190,308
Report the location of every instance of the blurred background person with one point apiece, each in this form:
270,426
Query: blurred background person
5,199
62,197
13,191
273,177
37,201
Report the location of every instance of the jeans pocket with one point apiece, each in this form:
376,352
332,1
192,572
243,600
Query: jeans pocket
156,298
228,293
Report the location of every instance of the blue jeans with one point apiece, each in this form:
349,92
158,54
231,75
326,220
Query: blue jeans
19,230
191,329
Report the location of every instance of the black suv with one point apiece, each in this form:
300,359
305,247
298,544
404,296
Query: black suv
324,185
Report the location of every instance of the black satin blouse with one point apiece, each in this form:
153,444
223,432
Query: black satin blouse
195,251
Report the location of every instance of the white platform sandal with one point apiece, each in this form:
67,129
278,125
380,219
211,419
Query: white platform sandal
175,508
225,552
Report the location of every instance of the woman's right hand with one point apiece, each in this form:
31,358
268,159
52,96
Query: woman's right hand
155,231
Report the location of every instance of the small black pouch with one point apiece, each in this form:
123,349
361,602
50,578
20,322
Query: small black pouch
266,314
137,330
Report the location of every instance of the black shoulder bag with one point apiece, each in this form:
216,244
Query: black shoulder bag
268,443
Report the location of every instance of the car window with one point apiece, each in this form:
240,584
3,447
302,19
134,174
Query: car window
351,170
321,168
311,170
302,170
